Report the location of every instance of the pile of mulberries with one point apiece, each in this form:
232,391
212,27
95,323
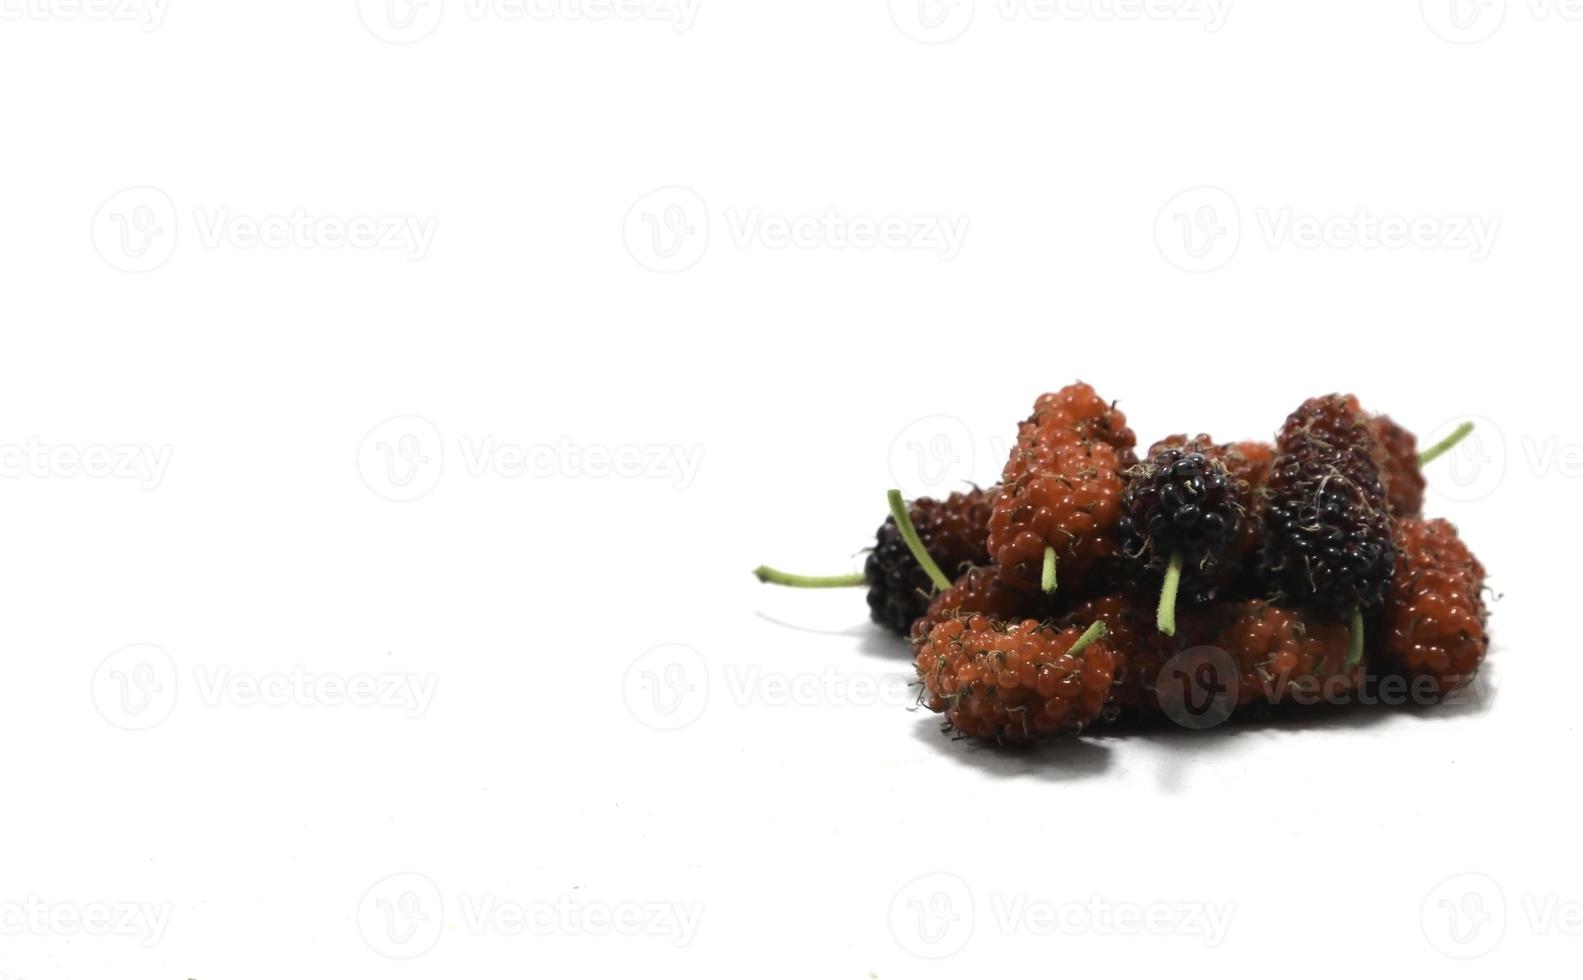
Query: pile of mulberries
1088,586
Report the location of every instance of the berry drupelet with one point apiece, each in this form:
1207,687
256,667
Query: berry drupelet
1435,618
1014,681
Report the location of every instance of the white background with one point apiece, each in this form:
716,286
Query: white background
198,467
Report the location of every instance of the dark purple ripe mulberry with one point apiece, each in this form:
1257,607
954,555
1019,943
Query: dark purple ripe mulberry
1183,511
954,531
1182,501
1327,520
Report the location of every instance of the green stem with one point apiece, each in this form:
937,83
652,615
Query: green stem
909,534
1165,615
775,576
1355,647
1440,448
1047,579
1091,634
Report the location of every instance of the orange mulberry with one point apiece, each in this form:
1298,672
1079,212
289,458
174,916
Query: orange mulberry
1435,617
1015,681
1060,501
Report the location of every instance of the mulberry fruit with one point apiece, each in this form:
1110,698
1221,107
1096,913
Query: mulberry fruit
1183,512
978,590
1062,504
1435,619
1139,650
1337,420
1076,412
1260,653
1285,653
1328,530
1015,682
954,532
1061,491
1404,479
